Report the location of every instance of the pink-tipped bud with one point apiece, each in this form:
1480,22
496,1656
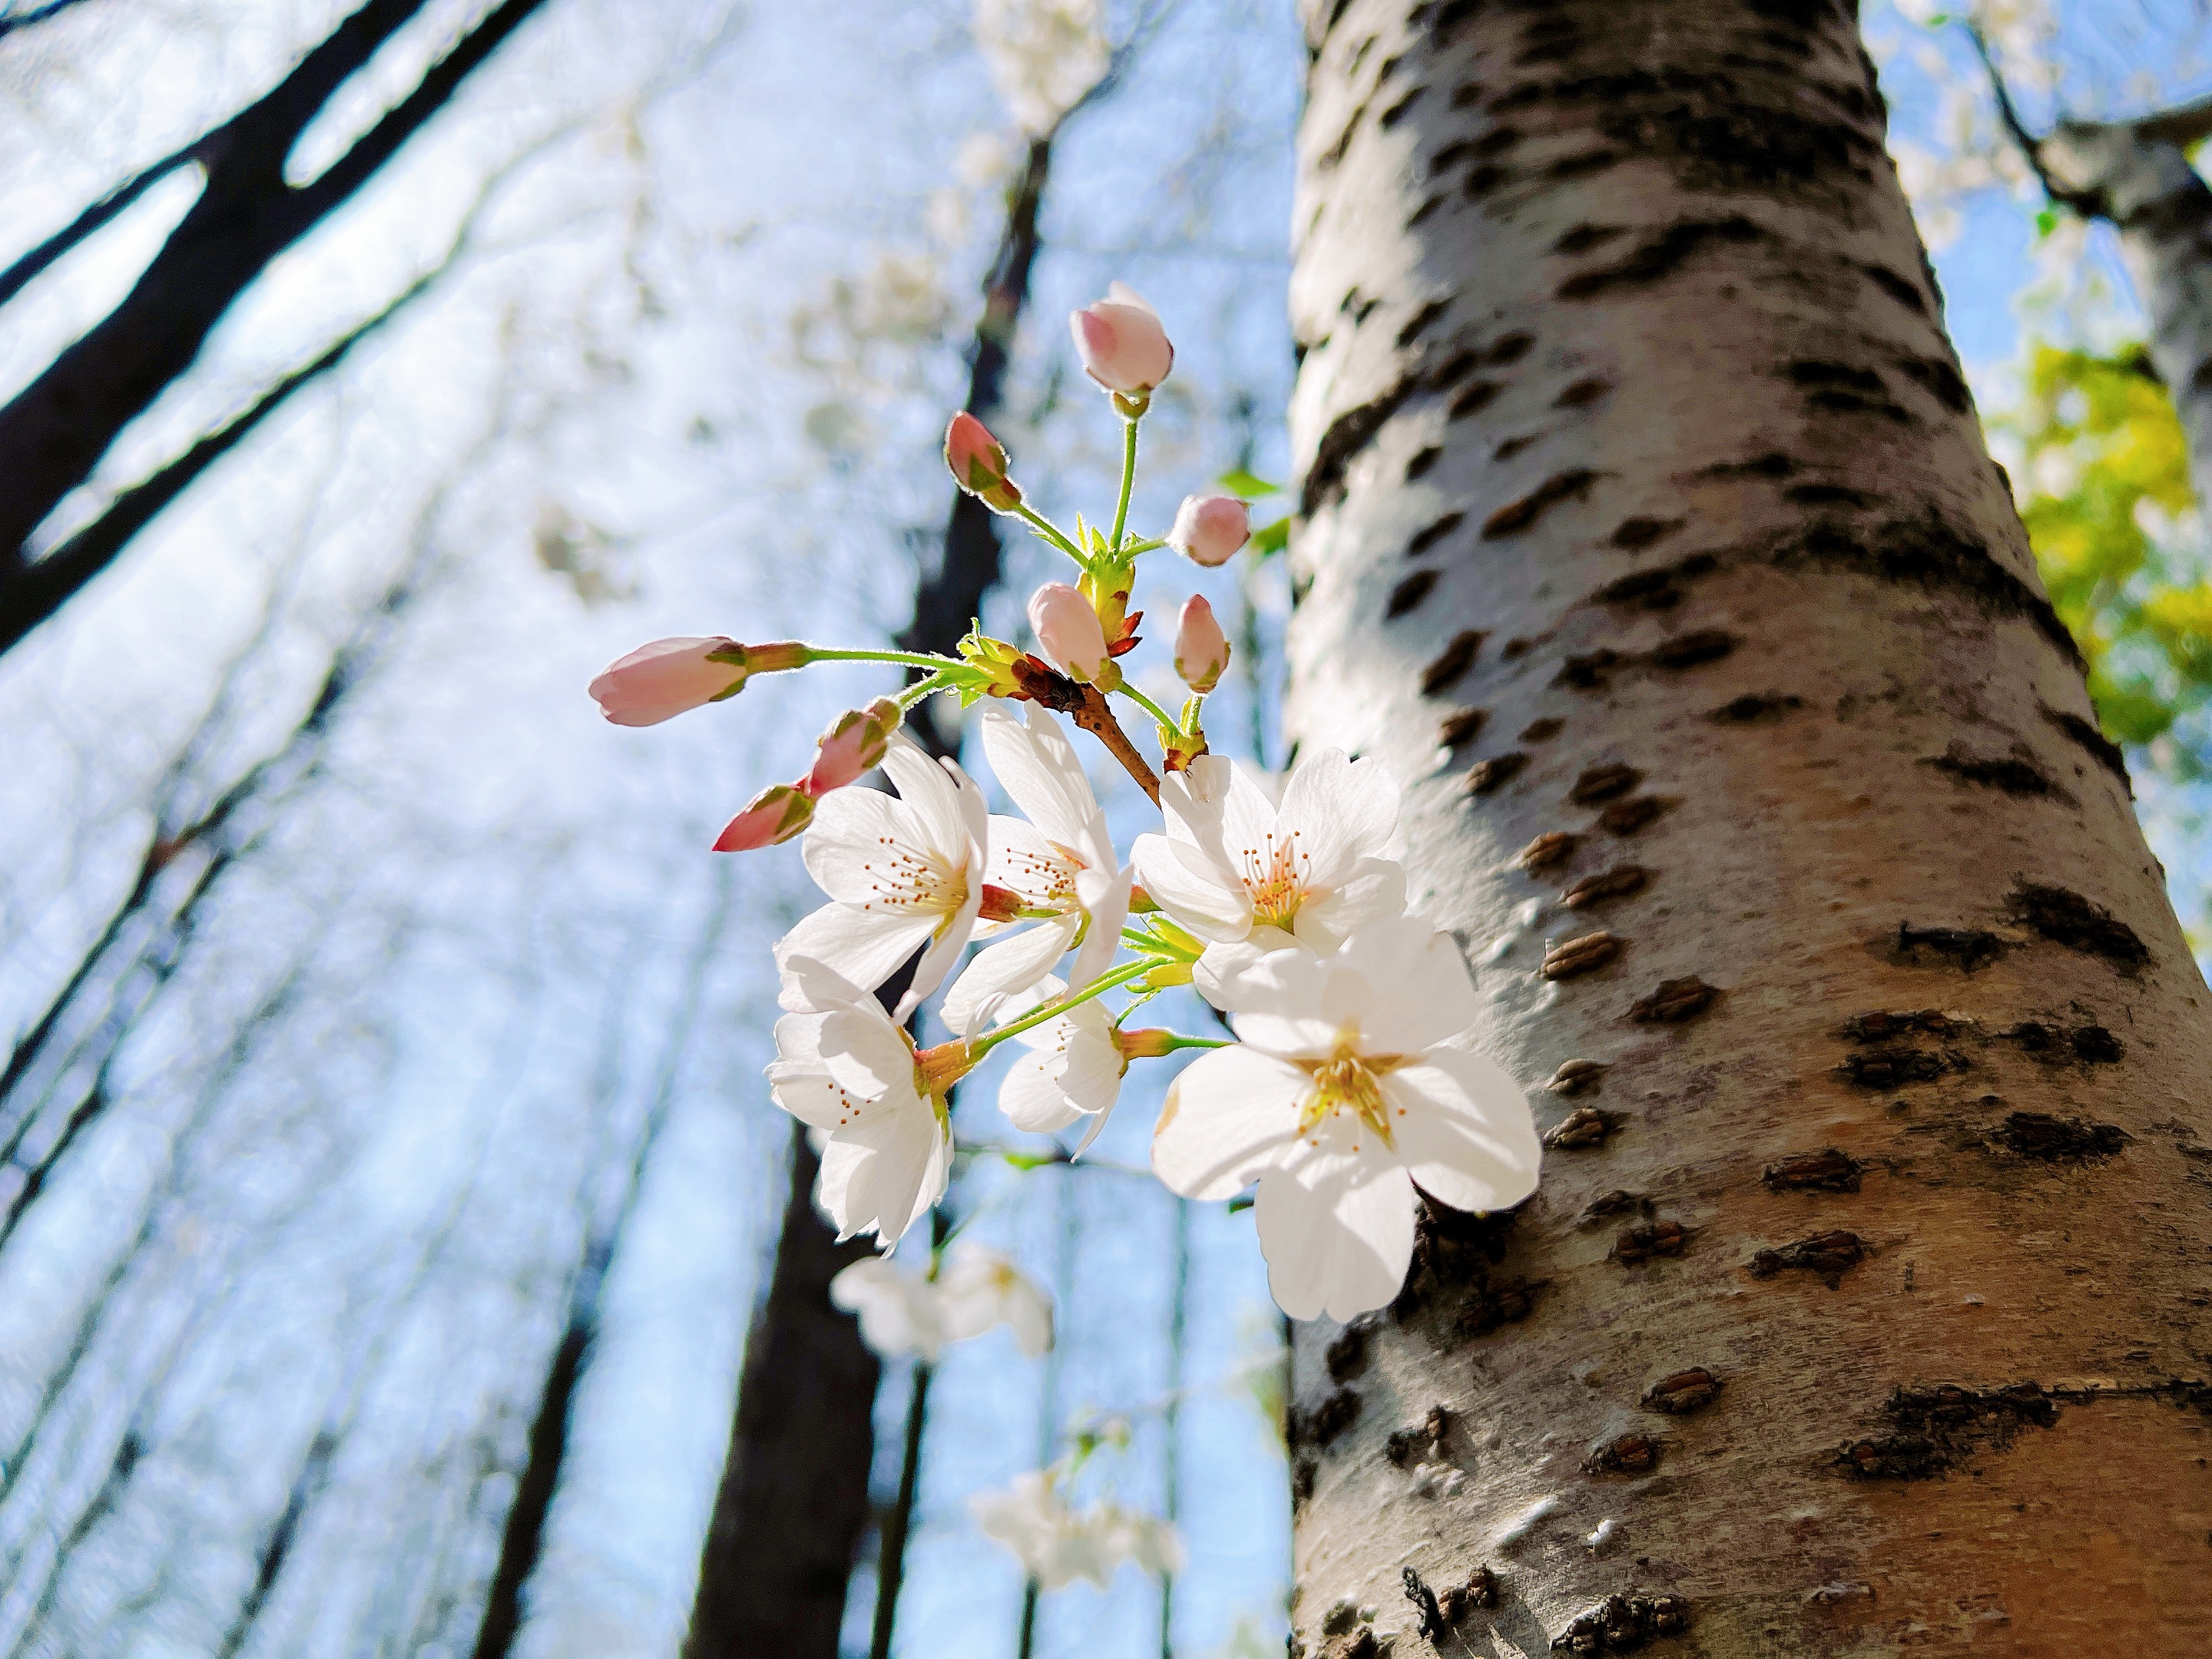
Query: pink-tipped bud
853,745
1209,529
1067,628
1121,343
777,814
1201,649
659,681
978,462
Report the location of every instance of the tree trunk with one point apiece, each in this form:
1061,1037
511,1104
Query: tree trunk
1862,1304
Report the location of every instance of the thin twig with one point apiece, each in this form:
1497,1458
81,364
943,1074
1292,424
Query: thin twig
2031,147
1094,716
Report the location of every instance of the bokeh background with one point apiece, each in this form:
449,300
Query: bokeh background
380,1020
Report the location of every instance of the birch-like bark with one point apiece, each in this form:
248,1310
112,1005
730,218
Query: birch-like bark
1649,536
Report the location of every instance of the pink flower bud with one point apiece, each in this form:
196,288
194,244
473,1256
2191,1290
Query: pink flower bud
659,681
777,814
978,462
853,745
1067,628
1201,649
1121,343
1209,529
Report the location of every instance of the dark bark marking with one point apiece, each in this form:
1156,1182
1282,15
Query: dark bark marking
1828,1170
1928,552
1772,464
1454,369
1754,706
1463,96
1335,152
1630,534
1553,847
1590,672
1714,140
1651,1241
1829,401
1581,167
1683,1393
1408,593
1629,816
1578,1077
1623,1624
1827,1255
1543,730
1429,1435
2101,749
1425,539
1583,392
2068,919
1828,494
1454,661
1458,1603
1972,948
1325,1422
1626,1453
1603,783
1936,1429
1512,446
1940,380
1902,290
1893,1068
1489,1306
1658,589
1429,205
1474,399
1517,516
1450,155
1347,1355
1581,1129
1420,321
2014,775
1578,957
2048,1138
1883,1026
1693,650
1606,1206
1551,40
1462,726
1347,435
1509,348
1661,257
1418,468
1396,113
1515,649
1482,181
1582,238
1812,372
1617,882
1488,777
2093,1045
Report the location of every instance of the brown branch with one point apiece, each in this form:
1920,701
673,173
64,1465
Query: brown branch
2031,147
1095,716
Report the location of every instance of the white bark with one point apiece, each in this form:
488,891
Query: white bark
1638,462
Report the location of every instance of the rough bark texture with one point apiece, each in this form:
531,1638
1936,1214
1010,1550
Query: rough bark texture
2137,176
1862,1306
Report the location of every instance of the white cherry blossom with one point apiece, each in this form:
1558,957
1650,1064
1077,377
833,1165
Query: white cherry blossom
1345,1089
1234,865
901,874
1062,860
848,1071
1057,1544
1074,1068
904,1312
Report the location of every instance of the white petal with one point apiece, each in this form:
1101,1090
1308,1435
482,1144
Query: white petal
812,987
1464,1128
1342,812
1191,801
1105,897
1031,1097
1339,1242
1232,1112
1002,968
1197,893
864,947
816,1101
1248,823
1092,1077
849,830
1038,766
886,1171
1024,862
925,785
1427,996
865,1054
944,950
1287,1038
1222,975
1373,890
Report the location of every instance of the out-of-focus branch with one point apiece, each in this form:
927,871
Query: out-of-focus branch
33,263
10,21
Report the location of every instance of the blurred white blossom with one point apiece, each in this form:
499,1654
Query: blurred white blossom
1057,1544
1044,55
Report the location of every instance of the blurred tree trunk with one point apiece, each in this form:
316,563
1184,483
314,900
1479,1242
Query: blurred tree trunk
792,1505
1868,1270
54,431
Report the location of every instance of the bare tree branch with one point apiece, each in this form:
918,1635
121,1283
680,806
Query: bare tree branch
10,21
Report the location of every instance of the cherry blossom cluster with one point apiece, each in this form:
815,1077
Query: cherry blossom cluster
1353,1078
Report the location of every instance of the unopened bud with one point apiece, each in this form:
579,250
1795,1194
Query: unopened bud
978,462
1201,649
777,814
659,681
1209,529
854,745
1121,342
1067,628
1151,1043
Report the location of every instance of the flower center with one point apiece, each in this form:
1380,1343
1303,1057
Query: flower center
1349,1085
1274,874
902,879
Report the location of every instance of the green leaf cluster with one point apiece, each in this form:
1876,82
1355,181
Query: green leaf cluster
2107,472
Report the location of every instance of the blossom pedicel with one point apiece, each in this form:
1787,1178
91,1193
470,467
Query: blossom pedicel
1352,1082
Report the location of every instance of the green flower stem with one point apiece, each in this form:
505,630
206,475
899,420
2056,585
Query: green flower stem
1128,481
1147,545
1121,975
1179,1041
1149,706
1051,531
940,681
912,659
